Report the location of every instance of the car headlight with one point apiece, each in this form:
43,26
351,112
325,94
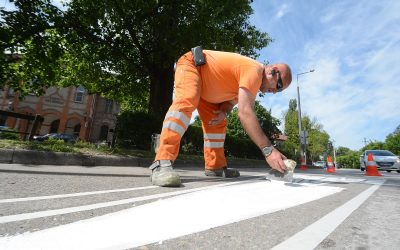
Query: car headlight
398,160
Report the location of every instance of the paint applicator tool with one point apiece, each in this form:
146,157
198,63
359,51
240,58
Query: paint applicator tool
287,176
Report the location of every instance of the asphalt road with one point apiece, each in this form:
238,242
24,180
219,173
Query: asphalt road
73,207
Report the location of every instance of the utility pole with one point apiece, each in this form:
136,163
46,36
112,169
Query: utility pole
302,135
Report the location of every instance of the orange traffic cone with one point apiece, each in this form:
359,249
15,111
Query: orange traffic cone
331,167
372,169
303,165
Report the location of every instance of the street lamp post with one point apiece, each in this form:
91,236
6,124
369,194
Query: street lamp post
301,134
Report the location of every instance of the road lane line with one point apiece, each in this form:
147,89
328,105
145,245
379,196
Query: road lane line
40,214
60,196
311,236
173,217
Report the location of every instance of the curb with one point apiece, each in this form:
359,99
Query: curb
33,157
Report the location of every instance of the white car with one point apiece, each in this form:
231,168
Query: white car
320,164
385,160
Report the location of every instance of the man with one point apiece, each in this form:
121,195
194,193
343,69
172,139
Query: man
226,79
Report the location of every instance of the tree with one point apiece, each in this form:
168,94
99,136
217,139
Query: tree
123,49
268,123
393,142
374,145
342,151
317,138
291,147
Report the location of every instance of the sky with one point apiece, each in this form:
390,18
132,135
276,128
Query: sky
354,47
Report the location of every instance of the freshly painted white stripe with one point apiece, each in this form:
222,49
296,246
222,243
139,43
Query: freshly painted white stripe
324,178
311,236
60,196
178,115
40,214
170,218
174,127
210,136
213,144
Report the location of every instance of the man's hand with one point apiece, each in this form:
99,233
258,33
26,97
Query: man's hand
219,117
275,160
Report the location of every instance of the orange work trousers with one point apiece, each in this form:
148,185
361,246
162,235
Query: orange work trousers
188,86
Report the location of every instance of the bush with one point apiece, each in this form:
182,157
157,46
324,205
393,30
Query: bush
8,133
134,129
351,160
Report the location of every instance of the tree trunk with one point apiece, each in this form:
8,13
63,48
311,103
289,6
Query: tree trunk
161,89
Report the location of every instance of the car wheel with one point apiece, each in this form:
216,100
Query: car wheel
388,171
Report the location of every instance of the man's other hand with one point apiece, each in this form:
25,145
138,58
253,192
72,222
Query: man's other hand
219,117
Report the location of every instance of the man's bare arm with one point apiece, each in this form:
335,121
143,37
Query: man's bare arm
249,119
250,123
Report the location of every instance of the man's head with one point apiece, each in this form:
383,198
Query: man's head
276,78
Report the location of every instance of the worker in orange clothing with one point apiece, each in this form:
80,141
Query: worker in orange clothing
218,83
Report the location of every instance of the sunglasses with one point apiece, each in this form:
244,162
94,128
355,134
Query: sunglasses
279,83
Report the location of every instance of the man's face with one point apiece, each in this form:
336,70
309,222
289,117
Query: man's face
273,82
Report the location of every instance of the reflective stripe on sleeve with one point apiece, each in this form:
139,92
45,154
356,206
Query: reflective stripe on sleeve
178,115
213,144
214,136
174,127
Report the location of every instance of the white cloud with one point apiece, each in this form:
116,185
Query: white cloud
282,11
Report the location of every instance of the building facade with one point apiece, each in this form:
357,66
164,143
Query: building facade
67,110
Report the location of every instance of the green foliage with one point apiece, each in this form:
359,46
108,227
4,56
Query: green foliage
318,139
393,142
8,134
374,145
241,148
350,160
268,123
124,50
134,129
192,141
342,151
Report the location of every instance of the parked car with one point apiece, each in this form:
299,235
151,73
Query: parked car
320,164
64,137
385,160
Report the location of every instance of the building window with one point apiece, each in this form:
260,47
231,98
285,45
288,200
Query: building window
79,93
109,106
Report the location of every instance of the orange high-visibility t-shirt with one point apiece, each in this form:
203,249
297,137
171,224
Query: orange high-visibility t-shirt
224,73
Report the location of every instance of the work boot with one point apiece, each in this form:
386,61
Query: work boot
163,174
223,172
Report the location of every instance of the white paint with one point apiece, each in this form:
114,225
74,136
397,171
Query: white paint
60,196
171,218
324,178
40,214
311,236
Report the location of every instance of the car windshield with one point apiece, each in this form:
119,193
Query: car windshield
380,153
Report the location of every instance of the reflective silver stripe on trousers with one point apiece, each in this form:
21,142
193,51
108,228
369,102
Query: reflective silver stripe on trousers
174,127
214,136
213,144
178,115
